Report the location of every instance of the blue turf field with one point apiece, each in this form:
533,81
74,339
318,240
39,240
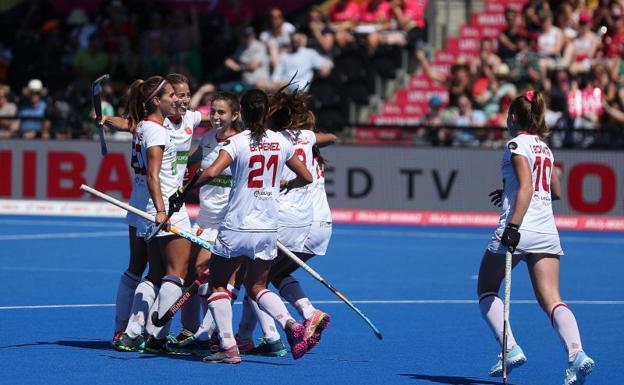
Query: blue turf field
416,283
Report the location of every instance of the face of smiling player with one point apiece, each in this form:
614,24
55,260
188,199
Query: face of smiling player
183,93
221,114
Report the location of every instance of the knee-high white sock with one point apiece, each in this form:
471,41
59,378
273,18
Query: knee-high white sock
492,311
208,326
248,320
170,292
267,323
149,327
190,314
125,294
564,322
144,297
221,309
272,304
292,292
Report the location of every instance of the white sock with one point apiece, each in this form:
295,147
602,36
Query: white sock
208,326
144,297
170,292
149,328
272,304
125,294
248,320
563,321
267,323
221,309
492,311
190,314
292,292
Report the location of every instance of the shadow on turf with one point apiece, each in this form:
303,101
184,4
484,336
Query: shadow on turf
452,380
106,346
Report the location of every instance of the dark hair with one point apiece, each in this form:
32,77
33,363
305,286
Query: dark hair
530,111
177,79
232,102
290,110
141,93
254,108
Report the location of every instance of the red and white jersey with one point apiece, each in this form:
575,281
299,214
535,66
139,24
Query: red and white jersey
214,196
295,206
149,134
320,205
256,170
182,134
539,216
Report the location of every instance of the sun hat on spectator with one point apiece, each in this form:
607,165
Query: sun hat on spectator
77,17
34,86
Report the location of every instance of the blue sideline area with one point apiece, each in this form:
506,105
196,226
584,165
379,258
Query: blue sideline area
417,284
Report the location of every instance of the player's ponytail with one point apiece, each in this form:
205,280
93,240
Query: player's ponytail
132,109
140,98
529,111
254,108
538,115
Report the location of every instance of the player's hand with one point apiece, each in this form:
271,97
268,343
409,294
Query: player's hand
187,176
496,197
161,217
284,186
511,236
176,201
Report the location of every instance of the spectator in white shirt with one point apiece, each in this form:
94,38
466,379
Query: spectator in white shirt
251,60
301,61
277,37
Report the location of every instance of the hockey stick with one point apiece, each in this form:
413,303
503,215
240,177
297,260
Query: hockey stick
176,230
506,304
186,295
96,89
182,192
317,276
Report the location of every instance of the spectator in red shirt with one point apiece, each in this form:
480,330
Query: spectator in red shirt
410,16
344,15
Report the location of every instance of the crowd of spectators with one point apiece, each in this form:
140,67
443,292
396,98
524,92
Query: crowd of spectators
576,59
52,57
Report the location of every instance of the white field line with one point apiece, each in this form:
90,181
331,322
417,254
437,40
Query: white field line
457,235
58,269
92,234
363,302
40,223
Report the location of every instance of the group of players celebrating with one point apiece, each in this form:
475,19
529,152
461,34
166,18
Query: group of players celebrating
262,180
263,184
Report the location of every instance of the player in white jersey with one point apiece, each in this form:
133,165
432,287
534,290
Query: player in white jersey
527,226
213,200
133,315
181,127
257,157
292,118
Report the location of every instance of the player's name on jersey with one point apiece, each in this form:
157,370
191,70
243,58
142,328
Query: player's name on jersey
539,149
264,146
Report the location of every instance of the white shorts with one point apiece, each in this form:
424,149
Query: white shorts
180,220
254,245
530,243
318,238
208,232
293,237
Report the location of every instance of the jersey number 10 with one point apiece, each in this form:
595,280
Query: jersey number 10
255,174
542,170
